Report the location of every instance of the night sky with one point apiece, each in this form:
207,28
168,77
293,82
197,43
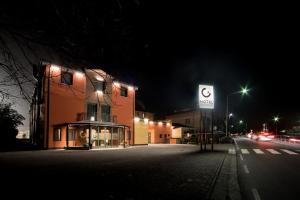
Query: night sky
167,49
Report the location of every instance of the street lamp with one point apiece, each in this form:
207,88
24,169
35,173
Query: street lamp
243,91
276,119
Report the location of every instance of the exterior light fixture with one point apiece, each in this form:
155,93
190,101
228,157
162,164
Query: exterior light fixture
160,123
130,88
151,122
168,124
241,121
92,118
136,119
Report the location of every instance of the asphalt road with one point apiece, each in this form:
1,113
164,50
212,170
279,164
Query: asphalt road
147,172
268,170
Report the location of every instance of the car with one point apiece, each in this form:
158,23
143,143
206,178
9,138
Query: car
262,136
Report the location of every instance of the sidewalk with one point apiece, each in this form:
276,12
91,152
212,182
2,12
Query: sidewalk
226,183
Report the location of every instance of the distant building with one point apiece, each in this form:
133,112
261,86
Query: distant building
197,119
148,131
74,107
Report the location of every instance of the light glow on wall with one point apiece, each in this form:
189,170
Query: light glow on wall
99,92
99,78
146,120
54,68
117,84
151,122
136,119
130,88
79,74
168,124
160,123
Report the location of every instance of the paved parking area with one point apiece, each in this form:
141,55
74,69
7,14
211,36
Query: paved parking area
142,172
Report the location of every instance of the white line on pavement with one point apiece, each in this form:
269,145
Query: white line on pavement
231,151
241,157
236,145
246,169
288,151
255,194
258,151
244,151
273,151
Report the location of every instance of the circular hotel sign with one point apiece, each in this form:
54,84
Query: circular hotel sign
206,96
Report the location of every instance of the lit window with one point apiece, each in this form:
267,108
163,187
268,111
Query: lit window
57,134
67,78
92,111
124,91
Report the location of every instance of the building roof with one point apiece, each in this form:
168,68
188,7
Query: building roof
177,125
94,123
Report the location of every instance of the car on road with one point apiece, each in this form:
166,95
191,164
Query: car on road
262,136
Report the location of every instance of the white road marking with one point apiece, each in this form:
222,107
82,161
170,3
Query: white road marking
246,169
258,151
231,151
255,194
244,151
241,157
273,151
236,145
288,151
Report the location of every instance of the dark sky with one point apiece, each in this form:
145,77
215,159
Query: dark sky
167,49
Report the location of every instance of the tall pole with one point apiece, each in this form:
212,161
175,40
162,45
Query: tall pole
226,123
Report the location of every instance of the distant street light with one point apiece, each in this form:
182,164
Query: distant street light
243,91
276,119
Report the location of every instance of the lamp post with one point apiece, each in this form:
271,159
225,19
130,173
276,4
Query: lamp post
243,91
276,119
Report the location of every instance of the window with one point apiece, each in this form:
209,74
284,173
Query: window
187,121
160,135
57,134
100,85
105,113
72,134
168,135
165,135
124,91
92,111
67,78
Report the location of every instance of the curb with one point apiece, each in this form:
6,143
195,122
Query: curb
226,185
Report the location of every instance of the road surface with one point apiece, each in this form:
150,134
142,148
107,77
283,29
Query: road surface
267,170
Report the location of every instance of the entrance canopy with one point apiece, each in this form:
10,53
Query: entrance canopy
95,134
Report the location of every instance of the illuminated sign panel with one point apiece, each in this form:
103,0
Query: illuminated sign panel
206,96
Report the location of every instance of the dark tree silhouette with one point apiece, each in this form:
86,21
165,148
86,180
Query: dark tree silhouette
10,119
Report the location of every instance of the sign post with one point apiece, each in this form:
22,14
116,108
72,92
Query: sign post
207,101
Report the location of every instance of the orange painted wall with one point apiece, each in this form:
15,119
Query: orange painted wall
156,130
123,108
66,102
